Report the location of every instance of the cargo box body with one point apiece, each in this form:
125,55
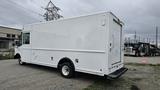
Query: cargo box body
93,43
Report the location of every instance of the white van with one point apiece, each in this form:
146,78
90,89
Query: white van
91,44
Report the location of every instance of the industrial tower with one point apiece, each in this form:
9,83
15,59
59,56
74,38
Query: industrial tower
52,12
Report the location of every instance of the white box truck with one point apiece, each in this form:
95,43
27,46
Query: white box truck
90,44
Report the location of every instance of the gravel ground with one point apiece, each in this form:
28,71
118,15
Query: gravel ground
33,77
140,76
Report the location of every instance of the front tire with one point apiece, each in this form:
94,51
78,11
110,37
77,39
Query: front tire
20,62
67,70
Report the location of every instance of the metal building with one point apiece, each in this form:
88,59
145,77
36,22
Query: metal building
8,37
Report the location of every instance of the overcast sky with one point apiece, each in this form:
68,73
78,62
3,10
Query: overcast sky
141,16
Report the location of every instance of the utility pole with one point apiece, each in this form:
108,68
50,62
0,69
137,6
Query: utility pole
156,36
148,38
129,40
139,39
135,37
144,40
52,12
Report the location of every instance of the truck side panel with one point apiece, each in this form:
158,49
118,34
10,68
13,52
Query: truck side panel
83,39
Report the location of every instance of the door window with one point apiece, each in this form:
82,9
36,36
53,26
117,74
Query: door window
26,38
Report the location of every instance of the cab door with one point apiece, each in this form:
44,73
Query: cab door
26,47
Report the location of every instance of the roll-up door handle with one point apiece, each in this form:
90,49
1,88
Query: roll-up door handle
110,47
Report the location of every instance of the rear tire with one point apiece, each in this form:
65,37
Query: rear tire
67,70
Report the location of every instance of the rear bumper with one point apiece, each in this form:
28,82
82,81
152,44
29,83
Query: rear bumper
117,73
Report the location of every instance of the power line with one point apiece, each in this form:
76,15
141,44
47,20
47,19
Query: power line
20,6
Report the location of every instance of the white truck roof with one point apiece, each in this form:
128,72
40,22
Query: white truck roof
81,16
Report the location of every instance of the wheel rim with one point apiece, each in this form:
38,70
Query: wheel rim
65,70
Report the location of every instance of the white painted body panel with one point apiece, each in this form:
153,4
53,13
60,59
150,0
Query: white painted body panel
84,38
